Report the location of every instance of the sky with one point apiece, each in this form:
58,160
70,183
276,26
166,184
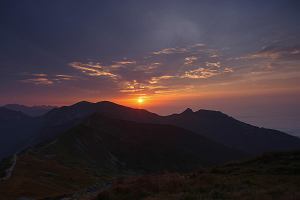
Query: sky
240,57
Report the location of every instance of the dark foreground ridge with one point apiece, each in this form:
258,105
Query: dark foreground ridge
272,176
104,147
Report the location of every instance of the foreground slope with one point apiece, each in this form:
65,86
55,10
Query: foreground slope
101,146
272,176
37,178
120,144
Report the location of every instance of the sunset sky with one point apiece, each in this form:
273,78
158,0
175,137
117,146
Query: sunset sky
241,57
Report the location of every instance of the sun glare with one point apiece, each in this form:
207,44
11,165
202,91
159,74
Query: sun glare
140,100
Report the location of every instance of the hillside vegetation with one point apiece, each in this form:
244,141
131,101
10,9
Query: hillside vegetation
272,176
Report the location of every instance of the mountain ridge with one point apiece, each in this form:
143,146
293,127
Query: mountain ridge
212,124
33,111
75,146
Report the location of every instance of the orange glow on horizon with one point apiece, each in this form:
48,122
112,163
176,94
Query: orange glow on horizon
140,100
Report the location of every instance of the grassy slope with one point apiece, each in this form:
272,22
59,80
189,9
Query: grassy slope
273,176
115,145
38,178
102,148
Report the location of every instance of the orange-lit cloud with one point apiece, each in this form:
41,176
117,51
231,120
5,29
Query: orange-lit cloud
190,60
181,71
200,73
92,69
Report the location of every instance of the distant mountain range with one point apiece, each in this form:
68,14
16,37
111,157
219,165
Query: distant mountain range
16,131
33,111
212,124
20,130
85,141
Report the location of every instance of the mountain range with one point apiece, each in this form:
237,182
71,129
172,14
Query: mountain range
20,130
33,111
214,125
86,142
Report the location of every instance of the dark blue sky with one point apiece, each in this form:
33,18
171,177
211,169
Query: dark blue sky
59,52
48,34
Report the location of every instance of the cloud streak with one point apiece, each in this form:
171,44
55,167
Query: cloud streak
93,69
45,79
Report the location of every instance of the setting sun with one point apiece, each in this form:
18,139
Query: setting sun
140,100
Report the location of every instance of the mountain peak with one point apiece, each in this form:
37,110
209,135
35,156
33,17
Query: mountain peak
82,103
187,111
108,103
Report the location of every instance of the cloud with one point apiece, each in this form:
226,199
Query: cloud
200,73
180,50
60,77
93,69
190,60
170,51
39,75
213,64
228,70
162,71
38,81
275,53
45,79
125,62
132,87
120,64
155,80
187,68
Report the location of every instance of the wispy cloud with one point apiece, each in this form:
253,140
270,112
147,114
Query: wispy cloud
45,79
125,62
213,64
190,60
170,51
275,53
38,81
200,73
156,79
64,77
93,69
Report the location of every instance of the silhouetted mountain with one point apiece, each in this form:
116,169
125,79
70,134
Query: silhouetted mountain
108,147
33,111
78,141
118,143
8,114
214,125
60,119
16,129
211,124
110,109
233,133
